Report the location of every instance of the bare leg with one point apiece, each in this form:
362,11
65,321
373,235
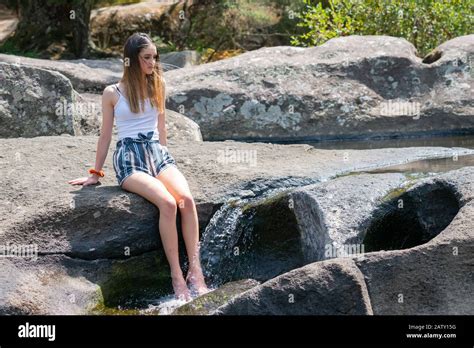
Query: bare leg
154,191
177,185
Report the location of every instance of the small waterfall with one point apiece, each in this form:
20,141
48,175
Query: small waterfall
227,244
219,238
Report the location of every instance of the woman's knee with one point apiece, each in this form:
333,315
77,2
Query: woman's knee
167,207
185,201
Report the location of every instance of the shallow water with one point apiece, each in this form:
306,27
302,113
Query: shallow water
425,166
466,141
432,165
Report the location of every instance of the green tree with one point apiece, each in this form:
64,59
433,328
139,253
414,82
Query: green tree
425,23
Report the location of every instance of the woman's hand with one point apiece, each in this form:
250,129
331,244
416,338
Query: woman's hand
91,180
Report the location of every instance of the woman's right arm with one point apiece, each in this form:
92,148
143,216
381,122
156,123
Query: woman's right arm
104,139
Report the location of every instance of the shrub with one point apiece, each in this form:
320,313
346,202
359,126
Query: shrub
425,23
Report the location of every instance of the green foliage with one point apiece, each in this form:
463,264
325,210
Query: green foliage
8,47
162,46
228,25
425,23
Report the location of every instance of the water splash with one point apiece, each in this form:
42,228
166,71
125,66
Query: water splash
163,306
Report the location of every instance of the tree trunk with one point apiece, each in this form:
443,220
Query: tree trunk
81,28
45,22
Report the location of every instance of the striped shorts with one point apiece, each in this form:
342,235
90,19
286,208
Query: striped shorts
142,154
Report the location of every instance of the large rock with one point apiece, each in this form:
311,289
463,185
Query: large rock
272,235
108,65
435,278
93,75
39,206
181,128
209,302
432,278
351,214
44,287
324,288
83,77
336,213
104,225
169,61
356,86
61,285
35,102
367,210
110,26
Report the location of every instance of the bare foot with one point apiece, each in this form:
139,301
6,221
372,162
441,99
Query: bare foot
197,282
181,291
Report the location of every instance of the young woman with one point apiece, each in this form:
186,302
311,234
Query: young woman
141,160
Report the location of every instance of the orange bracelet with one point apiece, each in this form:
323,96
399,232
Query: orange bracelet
99,173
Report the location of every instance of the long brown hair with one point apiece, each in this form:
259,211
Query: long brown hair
140,87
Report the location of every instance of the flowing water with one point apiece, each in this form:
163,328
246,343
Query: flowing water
219,238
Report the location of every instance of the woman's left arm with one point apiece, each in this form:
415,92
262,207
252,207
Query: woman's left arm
162,128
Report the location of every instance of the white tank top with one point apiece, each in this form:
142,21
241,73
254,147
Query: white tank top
129,124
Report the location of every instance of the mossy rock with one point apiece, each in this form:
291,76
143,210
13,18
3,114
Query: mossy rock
207,303
128,285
